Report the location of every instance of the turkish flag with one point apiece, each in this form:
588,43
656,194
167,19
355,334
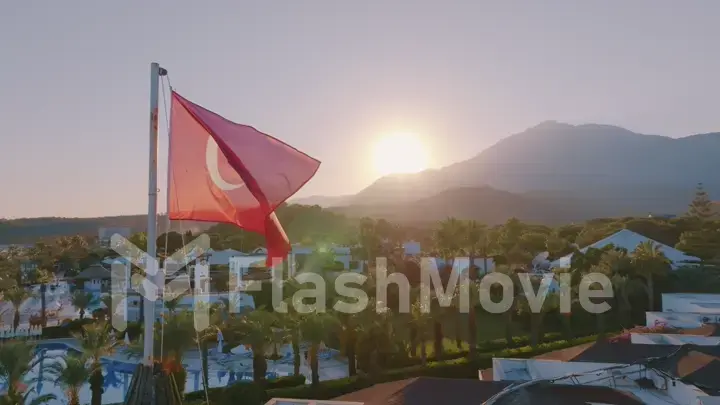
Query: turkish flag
225,172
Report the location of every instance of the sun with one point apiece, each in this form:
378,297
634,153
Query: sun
400,153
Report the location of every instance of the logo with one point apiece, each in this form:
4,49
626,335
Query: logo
150,281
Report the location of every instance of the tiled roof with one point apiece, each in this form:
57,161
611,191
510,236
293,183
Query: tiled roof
711,329
544,393
426,391
697,365
439,391
96,271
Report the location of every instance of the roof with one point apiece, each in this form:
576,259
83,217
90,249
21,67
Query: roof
629,240
433,391
700,368
222,257
93,272
707,330
545,393
697,365
426,391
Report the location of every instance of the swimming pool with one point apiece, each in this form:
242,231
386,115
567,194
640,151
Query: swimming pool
118,375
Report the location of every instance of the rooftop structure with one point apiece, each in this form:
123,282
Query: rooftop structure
691,303
630,240
620,383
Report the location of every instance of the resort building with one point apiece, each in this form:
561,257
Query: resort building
630,240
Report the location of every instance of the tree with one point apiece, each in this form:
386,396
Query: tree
471,289
477,244
290,321
450,238
17,296
348,328
254,329
314,328
701,206
71,374
96,342
83,300
17,359
422,321
377,336
650,262
556,245
550,303
42,277
10,260
704,243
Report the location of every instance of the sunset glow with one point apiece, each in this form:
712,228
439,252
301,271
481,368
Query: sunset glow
400,153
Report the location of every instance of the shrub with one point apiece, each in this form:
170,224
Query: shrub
487,346
456,368
216,394
66,329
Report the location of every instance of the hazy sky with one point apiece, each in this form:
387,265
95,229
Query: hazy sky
331,77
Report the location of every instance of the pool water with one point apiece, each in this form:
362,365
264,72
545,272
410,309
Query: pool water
118,375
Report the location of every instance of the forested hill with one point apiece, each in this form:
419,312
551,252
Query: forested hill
300,222
30,230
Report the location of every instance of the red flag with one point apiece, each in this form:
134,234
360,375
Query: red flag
225,172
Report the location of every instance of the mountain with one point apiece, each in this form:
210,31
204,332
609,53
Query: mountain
617,171
485,204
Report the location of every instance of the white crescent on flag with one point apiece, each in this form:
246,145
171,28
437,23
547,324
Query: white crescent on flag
211,161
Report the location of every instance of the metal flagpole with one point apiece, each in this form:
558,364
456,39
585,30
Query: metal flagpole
150,384
149,308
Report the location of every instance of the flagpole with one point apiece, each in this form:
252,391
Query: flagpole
149,308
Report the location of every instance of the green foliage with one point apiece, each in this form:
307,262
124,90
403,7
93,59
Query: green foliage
701,206
242,389
65,330
455,368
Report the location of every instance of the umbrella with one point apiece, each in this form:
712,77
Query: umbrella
197,381
220,341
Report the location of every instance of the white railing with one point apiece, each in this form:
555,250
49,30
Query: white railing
22,332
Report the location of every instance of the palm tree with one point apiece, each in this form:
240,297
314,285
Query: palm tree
290,322
71,374
650,262
550,303
348,327
174,336
254,330
450,239
96,342
508,315
173,303
107,301
42,277
314,329
421,319
17,296
477,243
83,300
16,360
369,239
471,289
376,336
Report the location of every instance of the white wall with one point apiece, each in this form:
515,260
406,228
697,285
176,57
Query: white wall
512,370
681,320
94,285
673,339
693,303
